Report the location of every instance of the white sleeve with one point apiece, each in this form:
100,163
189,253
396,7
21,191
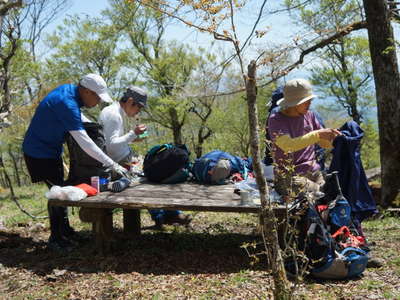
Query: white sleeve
84,118
123,139
87,145
112,126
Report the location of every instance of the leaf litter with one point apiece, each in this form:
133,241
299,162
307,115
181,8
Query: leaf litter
204,262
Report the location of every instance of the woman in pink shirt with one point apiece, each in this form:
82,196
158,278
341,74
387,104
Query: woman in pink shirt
294,131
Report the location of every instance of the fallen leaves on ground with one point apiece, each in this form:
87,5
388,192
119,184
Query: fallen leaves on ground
204,262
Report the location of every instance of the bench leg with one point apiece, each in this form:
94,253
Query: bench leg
103,230
131,222
102,225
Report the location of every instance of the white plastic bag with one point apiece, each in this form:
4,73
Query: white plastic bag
69,192
251,186
268,172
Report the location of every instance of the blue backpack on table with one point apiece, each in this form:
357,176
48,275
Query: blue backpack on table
204,164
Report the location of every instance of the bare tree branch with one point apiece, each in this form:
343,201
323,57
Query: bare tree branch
345,31
254,26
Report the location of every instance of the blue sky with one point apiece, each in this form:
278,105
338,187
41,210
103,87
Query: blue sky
179,31
280,25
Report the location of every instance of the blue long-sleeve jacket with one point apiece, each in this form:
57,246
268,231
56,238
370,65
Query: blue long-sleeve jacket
347,161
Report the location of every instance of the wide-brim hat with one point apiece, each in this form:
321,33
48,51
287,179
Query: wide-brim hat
295,92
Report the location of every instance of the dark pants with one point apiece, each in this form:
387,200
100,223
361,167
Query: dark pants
51,172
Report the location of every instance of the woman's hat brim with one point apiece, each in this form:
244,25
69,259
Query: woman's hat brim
283,103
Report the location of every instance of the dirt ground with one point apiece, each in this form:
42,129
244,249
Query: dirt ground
206,261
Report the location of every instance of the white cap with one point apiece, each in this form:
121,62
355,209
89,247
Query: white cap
96,84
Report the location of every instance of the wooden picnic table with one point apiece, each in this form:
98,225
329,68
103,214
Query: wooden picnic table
144,195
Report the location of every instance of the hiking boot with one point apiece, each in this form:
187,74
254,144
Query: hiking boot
61,246
375,262
73,235
159,224
180,219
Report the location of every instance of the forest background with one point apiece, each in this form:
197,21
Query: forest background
192,80
200,91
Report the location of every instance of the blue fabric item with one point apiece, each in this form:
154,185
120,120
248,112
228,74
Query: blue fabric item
204,164
340,214
347,161
58,113
355,263
275,97
161,214
248,162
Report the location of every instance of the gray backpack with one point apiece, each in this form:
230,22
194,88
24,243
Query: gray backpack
81,165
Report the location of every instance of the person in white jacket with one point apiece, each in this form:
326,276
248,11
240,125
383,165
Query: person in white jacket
113,119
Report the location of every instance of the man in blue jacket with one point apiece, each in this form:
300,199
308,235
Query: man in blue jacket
57,114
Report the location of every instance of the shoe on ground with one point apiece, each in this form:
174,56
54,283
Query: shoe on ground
374,262
180,219
75,236
60,245
67,231
158,225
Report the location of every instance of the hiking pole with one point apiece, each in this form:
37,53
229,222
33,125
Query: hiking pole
336,174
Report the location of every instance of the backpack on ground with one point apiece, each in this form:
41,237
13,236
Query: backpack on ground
326,258
336,213
81,165
203,165
348,263
167,163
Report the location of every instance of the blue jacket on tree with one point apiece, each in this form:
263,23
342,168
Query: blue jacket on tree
347,161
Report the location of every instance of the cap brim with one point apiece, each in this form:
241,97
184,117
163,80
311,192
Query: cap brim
142,105
105,97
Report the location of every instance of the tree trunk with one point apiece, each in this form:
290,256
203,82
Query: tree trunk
270,228
203,134
15,165
386,76
176,126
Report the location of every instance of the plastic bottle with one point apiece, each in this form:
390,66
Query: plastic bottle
119,185
143,135
103,184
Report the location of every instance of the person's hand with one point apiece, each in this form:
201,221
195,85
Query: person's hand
139,129
121,171
328,134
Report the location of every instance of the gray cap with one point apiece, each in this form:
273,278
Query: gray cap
138,94
220,171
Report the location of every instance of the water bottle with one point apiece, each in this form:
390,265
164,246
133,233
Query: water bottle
119,185
103,184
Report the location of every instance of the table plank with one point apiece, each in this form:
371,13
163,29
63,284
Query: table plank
183,196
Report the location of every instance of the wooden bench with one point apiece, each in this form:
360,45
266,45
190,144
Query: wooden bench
184,196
